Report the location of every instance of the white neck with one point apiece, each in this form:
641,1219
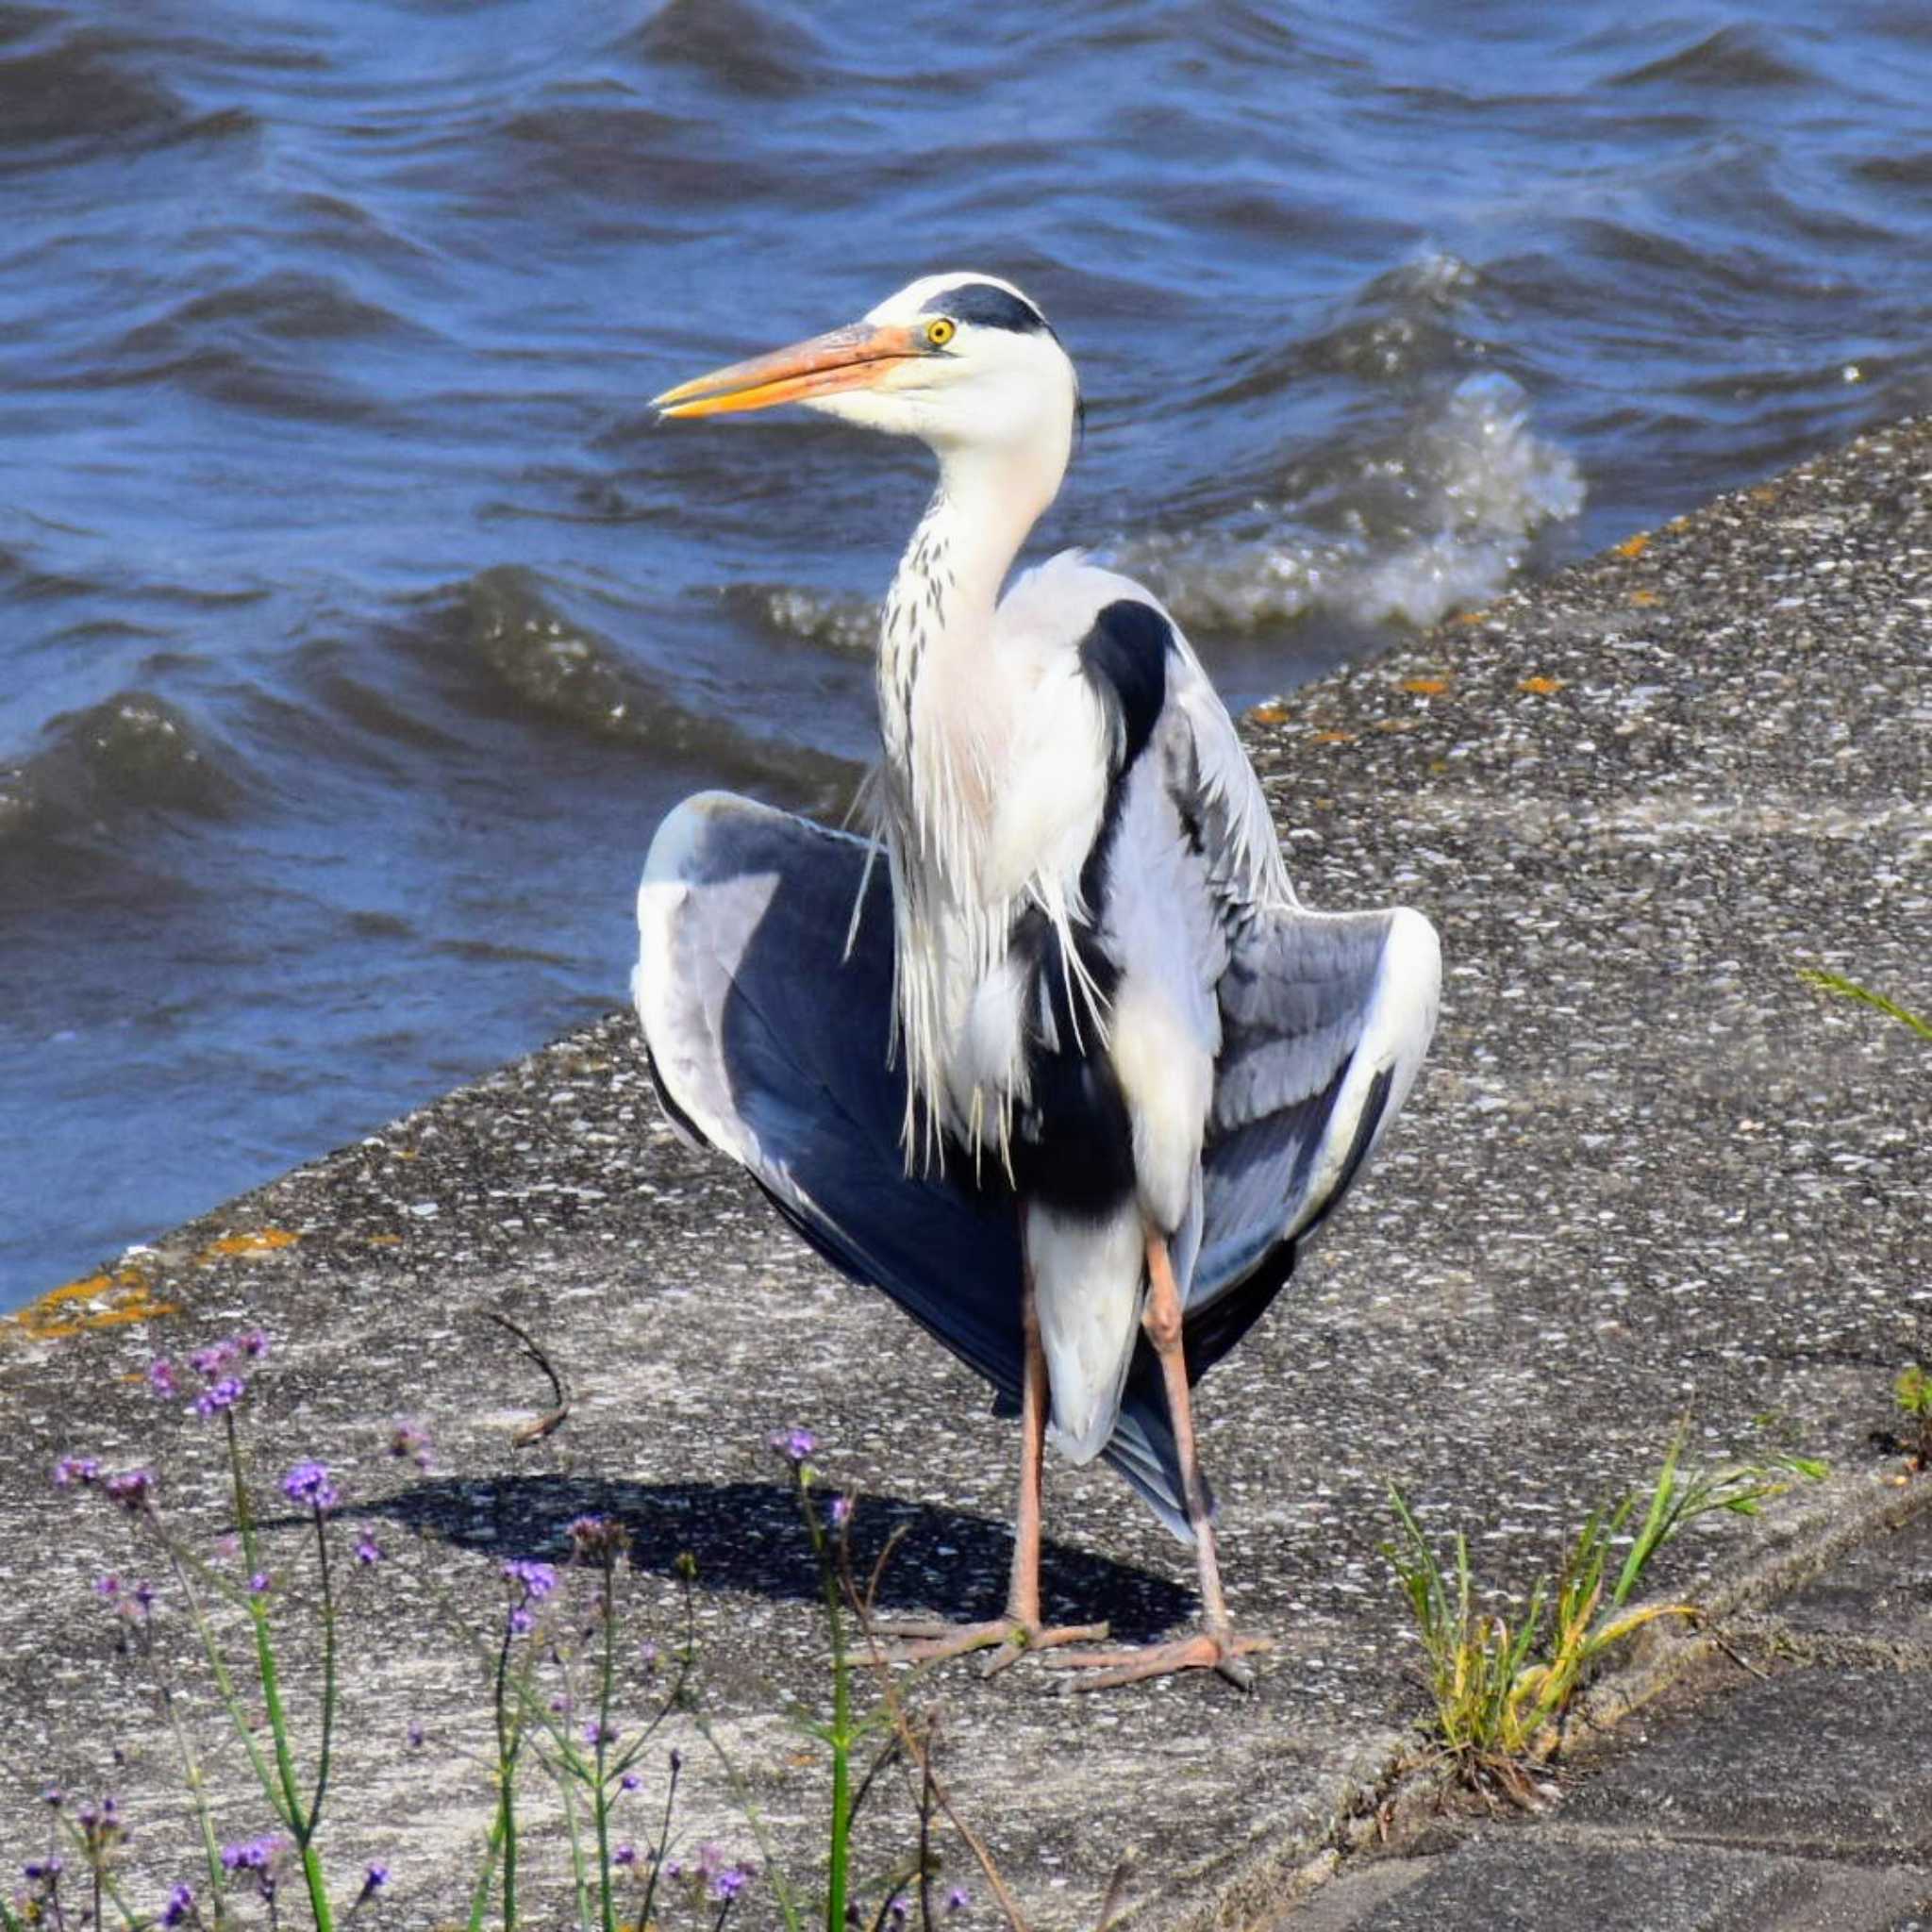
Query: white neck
939,617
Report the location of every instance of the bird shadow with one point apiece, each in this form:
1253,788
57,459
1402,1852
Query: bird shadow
750,1537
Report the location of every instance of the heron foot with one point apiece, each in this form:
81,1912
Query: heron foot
931,1640
1206,1650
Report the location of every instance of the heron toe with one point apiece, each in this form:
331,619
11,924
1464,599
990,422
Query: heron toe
1206,1650
932,1639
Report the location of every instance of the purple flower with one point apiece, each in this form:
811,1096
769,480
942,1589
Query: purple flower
54,1795
795,1444
45,1870
218,1397
597,1732
625,1855
258,1583
108,1587
842,1512
409,1440
414,1735
160,1375
308,1482
375,1879
180,1903
367,1549
728,1884
71,1470
256,1854
958,1899
677,1761
536,1580
144,1597
131,1490
253,1344
629,1781
599,1539
647,1655
896,1911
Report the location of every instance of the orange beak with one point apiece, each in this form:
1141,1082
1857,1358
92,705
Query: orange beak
853,358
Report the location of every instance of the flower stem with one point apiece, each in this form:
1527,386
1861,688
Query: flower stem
508,1738
839,1850
606,1680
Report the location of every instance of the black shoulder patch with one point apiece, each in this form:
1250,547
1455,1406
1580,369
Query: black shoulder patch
1125,654
987,306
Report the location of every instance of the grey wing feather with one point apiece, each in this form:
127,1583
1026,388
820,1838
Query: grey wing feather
1325,1022
770,1039
1324,1018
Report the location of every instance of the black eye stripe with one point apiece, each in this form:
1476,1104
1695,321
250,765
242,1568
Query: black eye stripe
987,306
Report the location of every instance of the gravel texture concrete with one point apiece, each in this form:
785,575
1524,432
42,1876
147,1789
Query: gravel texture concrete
1649,1177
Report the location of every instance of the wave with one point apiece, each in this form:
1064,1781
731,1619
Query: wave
755,51
132,753
1438,516
515,650
1732,57
75,95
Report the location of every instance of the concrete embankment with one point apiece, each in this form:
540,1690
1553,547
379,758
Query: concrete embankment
1650,1177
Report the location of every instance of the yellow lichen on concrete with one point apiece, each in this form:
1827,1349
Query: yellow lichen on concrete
1634,546
108,1299
1540,687
263,1241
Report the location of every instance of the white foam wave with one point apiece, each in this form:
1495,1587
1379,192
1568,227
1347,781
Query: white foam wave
841,622
1439,519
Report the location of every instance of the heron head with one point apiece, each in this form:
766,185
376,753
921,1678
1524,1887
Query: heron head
963,362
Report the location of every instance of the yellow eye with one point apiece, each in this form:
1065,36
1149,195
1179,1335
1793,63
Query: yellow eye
940,331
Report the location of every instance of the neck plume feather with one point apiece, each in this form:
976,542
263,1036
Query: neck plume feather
938,729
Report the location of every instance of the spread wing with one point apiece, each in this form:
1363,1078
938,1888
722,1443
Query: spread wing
768,1038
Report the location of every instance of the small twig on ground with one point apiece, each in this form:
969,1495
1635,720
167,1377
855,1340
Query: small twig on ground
1738,1657
534,1431
1116,1894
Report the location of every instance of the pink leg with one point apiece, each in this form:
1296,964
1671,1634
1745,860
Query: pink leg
1215,1646
1009,1636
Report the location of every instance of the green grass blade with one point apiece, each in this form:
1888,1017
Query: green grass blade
1836,983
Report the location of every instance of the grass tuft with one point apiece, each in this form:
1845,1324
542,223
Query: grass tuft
1500,1691
1912,1392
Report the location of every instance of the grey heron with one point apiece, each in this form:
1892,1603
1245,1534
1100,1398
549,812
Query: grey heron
1074,1080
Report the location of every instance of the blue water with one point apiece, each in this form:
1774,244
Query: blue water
357,622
